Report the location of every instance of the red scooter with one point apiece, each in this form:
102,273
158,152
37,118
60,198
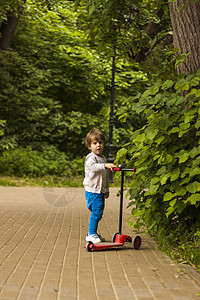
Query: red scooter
118,238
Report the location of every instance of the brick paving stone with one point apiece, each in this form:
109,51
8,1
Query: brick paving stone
42,255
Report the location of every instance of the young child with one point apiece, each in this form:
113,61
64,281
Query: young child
96,181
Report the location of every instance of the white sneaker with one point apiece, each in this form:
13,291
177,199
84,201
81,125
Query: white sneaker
93,238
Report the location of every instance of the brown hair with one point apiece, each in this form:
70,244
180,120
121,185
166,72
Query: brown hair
94,134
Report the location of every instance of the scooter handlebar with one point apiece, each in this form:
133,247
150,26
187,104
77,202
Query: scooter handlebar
116,169
120,169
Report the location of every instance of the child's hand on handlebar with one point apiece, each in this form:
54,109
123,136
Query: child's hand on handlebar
110,166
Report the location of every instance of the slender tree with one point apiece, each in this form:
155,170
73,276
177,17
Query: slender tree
185,18
8,26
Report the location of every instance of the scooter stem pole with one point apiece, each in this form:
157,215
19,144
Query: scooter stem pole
121,202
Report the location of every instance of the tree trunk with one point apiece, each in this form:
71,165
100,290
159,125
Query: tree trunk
186,33
8,28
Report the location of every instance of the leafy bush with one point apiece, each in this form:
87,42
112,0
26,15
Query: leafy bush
27,162
166,154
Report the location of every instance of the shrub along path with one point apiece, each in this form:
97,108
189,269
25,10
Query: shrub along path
42,255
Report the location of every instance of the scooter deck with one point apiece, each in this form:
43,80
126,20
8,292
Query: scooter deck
102,246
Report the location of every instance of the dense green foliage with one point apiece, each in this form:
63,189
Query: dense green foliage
55,87
166,154
43,80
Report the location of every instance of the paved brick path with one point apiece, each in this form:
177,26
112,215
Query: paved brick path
42,255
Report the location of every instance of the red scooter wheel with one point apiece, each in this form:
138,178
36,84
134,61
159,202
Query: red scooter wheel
89,246
114,236
137,242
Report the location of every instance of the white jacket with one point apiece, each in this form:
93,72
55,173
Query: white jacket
95,173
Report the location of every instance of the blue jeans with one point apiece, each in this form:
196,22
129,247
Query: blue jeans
95,203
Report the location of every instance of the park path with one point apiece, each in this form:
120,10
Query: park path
42,255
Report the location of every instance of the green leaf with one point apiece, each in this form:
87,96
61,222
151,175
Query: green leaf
138,108
141,169
193,199
155,180
192,187
161,171
145,94
168,196
197,124
174,130
105,111
171,101
154,90
183,158
172,202
159,139
175,174
91,9
139,212
152,190
184,126
195,171
156,156
121,153
165,159
148,201
194,81
197,93
170,210
180,59
180,191
192,92
167,84
151,133
194,152
165,178
184,181
188,118
141,138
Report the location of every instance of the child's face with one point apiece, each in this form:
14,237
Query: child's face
97,146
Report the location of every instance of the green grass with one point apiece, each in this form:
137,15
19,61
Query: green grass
184,253
51,181
181,246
